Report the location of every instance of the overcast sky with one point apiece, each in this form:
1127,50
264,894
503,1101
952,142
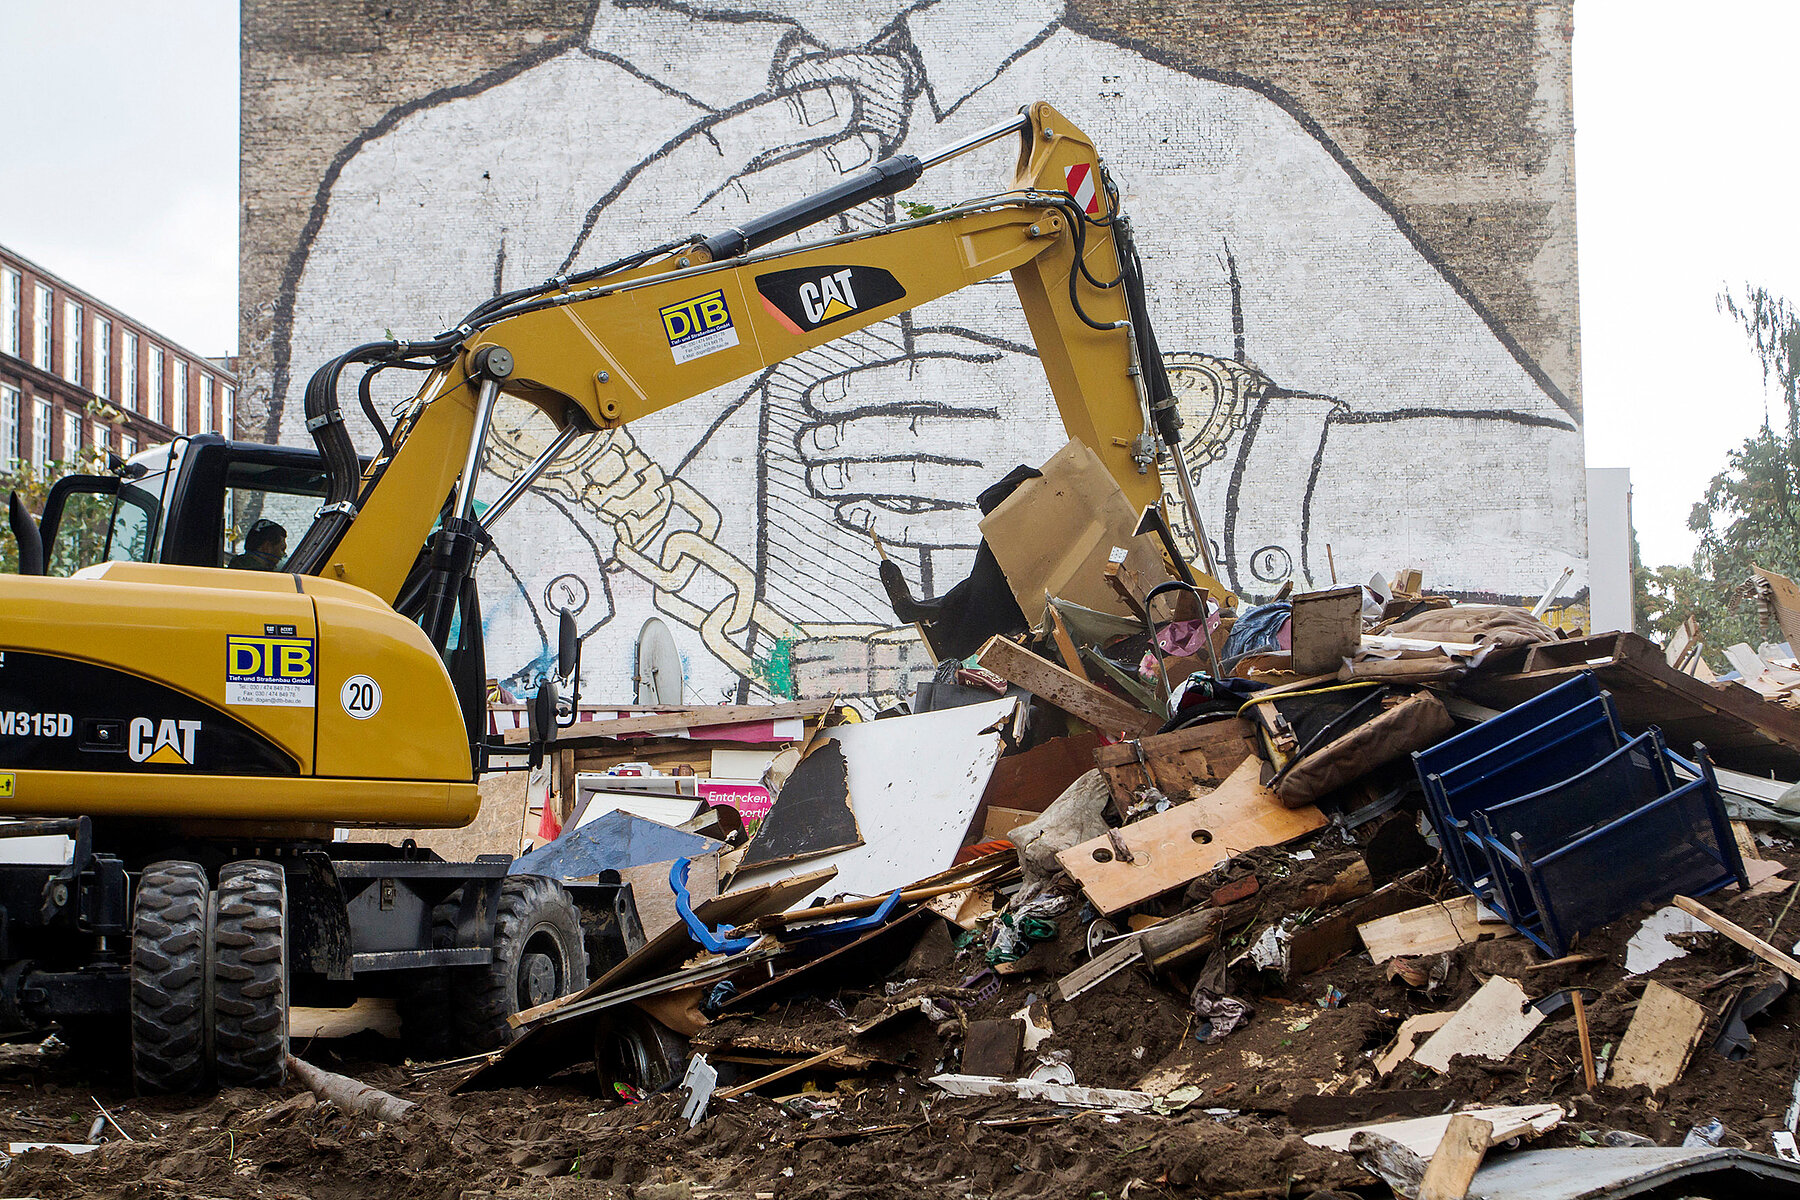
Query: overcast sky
126,185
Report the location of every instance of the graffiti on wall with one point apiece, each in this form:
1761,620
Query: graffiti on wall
1339,387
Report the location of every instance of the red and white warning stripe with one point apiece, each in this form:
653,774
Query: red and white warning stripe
1081,186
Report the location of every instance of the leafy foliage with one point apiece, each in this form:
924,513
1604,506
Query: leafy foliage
81,537
1749,514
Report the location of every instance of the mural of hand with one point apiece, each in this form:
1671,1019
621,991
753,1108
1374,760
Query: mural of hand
910,472
727,167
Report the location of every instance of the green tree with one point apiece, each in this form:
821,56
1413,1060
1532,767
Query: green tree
1749,515
81,536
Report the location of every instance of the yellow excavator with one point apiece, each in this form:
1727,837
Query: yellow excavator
178,741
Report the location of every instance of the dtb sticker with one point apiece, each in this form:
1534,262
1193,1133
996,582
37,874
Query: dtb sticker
699,327
809,297
276,671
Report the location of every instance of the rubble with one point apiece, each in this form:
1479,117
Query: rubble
1173,892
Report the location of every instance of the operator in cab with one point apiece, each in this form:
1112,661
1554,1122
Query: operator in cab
265,546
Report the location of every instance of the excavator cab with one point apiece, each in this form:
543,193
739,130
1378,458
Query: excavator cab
191,502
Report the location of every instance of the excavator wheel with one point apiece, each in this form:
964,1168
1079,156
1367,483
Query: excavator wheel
426,1027
538,956
168,978
249,975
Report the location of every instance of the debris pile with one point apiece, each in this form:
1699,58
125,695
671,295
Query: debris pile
1360,890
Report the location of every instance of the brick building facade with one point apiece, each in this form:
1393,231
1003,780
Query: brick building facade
77,374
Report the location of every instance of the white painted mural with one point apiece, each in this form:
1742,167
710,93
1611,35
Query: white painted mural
1340,388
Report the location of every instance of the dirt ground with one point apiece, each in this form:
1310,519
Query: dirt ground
1302,1062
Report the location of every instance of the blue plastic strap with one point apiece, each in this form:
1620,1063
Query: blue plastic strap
715,942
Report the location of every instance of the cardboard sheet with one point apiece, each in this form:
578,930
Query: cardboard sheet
1056,533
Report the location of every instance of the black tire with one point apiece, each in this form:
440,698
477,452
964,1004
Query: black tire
427,1032
168,978
631,1046
249,973
538,956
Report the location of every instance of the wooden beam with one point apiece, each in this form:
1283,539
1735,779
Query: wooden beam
589,733
1457,1158
772,1076
1043,678
1065,645
1740,935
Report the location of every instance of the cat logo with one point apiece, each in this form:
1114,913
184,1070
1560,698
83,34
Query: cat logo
809,297
165,743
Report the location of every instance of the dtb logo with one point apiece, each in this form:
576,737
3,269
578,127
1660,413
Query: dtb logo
698,327
807,298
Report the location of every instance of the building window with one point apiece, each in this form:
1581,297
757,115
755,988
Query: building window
128,380
156,383
41,319
9,424
206,403
178,419
11,293
71,435
102,437
72,342
40,432
228,402
102,357
127,446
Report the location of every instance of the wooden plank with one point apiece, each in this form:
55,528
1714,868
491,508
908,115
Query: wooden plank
1457,1158
1423,1135
1589,1077
1662,1036
772,1076
1182,763
1171,848
1316,943
1033,779
1740,935
1065,645
1431,929
595,733
999,822
1044,679
1100,968
1327,627
1490,1025
371,1013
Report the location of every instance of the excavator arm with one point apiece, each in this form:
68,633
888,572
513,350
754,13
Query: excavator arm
602,349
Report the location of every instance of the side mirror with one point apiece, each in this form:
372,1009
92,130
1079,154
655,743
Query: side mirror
540,721
568,645
25,532
568,661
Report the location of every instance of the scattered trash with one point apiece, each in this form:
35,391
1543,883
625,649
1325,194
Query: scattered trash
1708,1134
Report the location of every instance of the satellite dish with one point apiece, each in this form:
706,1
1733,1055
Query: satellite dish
658,674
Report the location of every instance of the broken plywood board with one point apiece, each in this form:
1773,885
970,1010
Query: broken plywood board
1432,929
1423,1135
813,815
1412,1031
1457,1158
1179,764
916,782
1032,779
1662,1036
1171,848
1044,679
655,899
1490,1025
